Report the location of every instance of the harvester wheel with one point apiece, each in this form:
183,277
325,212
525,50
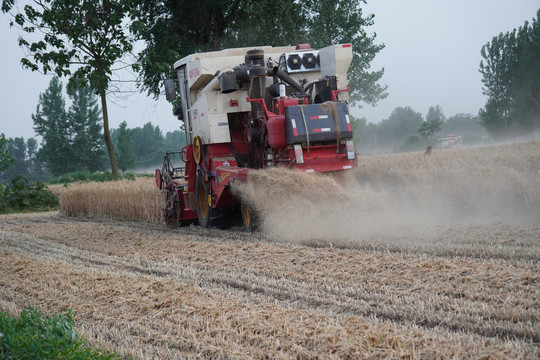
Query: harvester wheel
203,210
208,216
197,149
250,218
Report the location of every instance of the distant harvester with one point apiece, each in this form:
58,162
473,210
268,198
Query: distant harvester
448,142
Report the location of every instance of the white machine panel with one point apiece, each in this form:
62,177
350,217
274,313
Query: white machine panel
209,114
335,60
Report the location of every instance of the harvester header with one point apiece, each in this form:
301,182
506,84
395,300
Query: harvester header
247,109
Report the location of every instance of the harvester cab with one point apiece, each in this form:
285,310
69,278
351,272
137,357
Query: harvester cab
248,109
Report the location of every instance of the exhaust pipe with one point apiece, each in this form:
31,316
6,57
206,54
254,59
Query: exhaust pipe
257,79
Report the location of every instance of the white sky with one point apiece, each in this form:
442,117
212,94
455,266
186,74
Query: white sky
432,57
432,52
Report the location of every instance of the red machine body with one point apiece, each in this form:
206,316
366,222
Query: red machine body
286,124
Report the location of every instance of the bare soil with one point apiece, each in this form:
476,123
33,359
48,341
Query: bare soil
144,290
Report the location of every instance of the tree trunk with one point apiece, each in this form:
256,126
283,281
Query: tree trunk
107,135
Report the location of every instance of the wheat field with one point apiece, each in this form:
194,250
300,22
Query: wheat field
136,200
405,258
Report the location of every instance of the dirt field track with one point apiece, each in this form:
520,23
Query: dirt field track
468,291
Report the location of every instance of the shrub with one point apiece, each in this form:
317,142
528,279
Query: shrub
36,336
23,195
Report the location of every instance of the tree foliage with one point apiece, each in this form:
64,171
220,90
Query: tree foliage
433,124
148,144
71,141
435,113
22,195
124,148
511,79
365,135
5,157
429,128
342,21
402,122
25,160
397,133
174,140
86,128
82,39
18,147
173,29
51,123
467,124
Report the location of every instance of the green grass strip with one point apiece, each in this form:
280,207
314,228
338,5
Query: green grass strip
37,336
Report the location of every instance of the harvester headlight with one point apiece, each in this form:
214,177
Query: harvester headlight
298,154
350,149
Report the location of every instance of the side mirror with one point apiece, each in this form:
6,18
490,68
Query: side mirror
170,90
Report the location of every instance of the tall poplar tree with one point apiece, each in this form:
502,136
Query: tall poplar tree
124,148
83,117
51,123
511,79
82,39
434,122
5,157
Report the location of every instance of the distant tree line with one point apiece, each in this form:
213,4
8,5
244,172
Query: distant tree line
511,77
72,140
25,161
144,147
5,157
407,130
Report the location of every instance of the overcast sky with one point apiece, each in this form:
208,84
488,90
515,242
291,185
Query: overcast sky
432,52
431,57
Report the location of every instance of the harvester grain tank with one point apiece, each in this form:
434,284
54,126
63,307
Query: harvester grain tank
247,109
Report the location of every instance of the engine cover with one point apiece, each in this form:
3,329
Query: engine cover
320,122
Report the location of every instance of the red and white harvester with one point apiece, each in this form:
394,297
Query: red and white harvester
249,109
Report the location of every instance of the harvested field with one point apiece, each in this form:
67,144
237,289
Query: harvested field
151,292
399,277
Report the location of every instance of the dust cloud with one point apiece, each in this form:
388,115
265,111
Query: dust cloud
398,197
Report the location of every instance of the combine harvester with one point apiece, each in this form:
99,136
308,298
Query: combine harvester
250,109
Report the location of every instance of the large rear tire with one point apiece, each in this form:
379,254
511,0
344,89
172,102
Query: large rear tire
201,196
250,217
208,216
